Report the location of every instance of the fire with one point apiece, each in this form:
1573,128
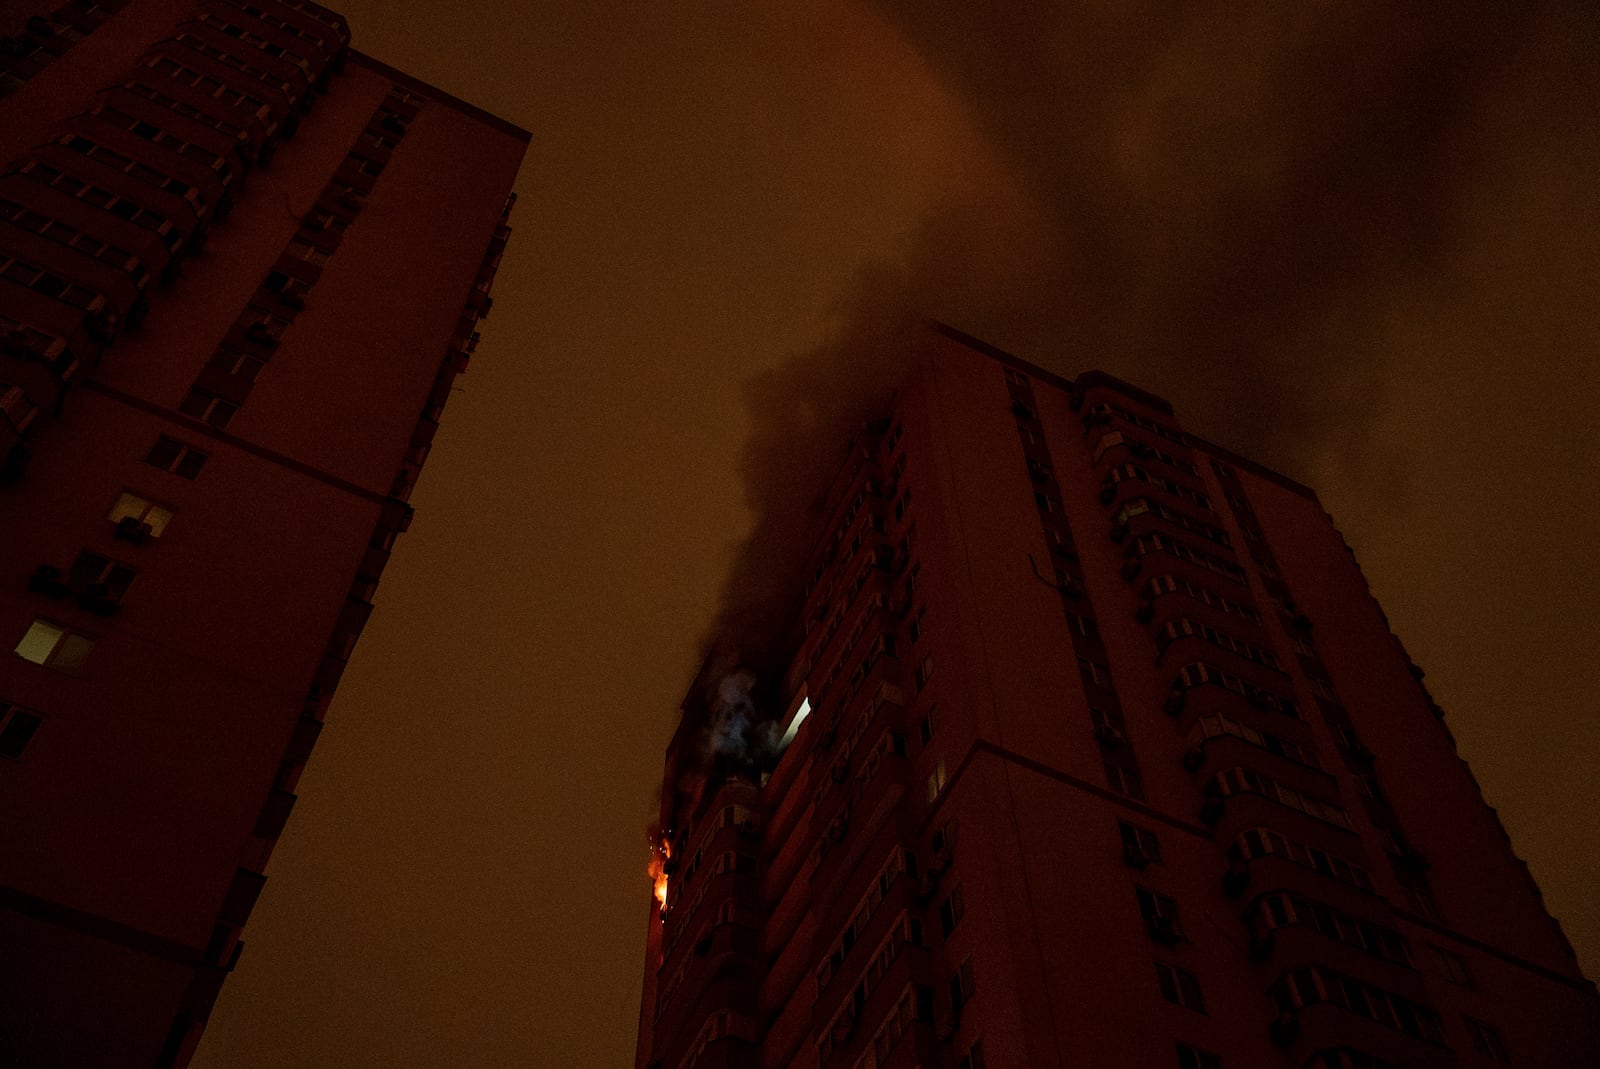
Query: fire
660,853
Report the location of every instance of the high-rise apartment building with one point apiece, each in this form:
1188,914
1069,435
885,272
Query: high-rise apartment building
240,267
1095,750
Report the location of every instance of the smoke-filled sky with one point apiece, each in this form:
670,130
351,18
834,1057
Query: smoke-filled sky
1356,242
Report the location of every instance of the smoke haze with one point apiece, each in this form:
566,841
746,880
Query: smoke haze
1259,212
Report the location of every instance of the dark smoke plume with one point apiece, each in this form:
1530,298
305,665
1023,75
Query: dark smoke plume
1248,208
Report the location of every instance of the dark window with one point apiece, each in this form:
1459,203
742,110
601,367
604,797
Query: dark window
1451,966
17,726
1195,1058
1180,986
1486,1039
92,570
961,987
1137,840
951,910
169,454
1160,915
973,1059
1125,781
208,407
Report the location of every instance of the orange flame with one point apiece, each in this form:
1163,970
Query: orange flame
660,852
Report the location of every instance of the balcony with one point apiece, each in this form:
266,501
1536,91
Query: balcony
1324,1026
853,1033
1300,945
1243,811
1280,874
899,900
1209,756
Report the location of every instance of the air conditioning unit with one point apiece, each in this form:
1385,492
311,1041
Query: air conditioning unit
1131,570
1236,879
840,770
1211,810
293,300
947,1025
97,599
1193,759
1119,533
1174,703
1107,493
1261,945
350,202
1145,612
46,579
940,863
132,529
1075,401
925,887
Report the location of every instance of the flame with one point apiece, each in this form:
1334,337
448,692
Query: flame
660,853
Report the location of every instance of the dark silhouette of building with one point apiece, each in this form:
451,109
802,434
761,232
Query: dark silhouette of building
1095,750
240,267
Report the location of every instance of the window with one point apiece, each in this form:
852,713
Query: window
1124,781
17,407
1094,672
55,647
926,728
1451,966
936,780
17,727
924,672
174,456
973,1059
951,910
1486,1039
1160,915
152,517
91,571
1180,987
1081,625
1045,503
237,365
916,625
962,987
208,407
1139,842
1109,726
1195,1058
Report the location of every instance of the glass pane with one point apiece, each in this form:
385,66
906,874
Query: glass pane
40,640
72,654
16,733
158,518
127,505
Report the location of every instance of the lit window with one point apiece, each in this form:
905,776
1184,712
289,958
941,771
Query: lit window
55,647
147,515
936,780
